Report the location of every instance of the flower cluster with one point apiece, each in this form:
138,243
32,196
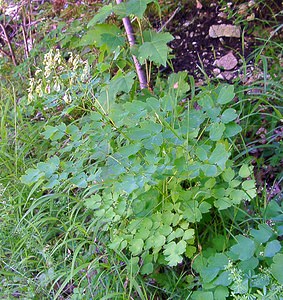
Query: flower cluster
58,76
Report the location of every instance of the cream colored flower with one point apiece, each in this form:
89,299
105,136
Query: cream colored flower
67,98
56,86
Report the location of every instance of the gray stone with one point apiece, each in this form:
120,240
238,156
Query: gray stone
227,62
225,30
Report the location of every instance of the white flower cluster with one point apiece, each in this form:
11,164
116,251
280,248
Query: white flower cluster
235,274
58,74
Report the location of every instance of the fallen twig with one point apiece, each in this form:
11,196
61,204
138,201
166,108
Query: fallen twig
169,20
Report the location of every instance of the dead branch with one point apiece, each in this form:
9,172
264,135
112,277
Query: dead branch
12,54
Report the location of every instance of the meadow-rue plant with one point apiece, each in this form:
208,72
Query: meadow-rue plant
141,184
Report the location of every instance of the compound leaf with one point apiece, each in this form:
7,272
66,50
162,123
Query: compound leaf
173,252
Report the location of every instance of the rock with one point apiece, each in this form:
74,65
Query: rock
227,62
216,71
228,75
225,30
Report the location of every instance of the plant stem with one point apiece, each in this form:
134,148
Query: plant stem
12,55
131,38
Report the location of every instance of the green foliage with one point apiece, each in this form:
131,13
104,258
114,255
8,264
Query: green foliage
250,268
121,190
149,168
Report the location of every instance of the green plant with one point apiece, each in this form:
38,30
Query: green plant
149,169
127,193
251,268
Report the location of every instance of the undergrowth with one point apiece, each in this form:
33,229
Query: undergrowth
112,192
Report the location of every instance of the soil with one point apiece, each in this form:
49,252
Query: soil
196,52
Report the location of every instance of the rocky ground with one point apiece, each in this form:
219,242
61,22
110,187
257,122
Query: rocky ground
209,43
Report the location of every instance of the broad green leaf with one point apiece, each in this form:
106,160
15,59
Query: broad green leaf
195,119
237,196
219,156
210,183
137,7
260,281
221,292
138,134
272,248
50,166
277,267
136,246
201,295
248,265
133,265
209,170
32,176
232,129
248,185
145,203
188,234
93,37
178,83
245,247
204,207
213,113
130,150
52,182
122,83
116,242
245,171
219,260
206,102
219,243
209,273
228,115
165,229
146,223
49,131
173,252
79,180
216,131
224,279
226,94
241,287
112,40
54,133
234,183
94,202
192,213
127,184
263,234
190,251
147,268
222,203
201,153
104,12
218,192
159,241
156,50
228,174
